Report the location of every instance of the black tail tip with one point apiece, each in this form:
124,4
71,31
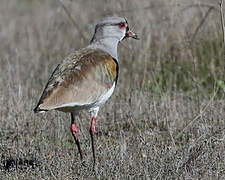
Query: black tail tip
37,109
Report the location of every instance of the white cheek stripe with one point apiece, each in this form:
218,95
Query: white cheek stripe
124,33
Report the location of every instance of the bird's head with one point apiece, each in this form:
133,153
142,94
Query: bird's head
113,27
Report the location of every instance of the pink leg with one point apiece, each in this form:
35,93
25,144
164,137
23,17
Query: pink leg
93,125
92,131
74,133
74,130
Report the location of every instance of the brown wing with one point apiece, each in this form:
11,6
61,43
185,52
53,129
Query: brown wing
80,80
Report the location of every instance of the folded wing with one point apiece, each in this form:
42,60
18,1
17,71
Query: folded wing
79,81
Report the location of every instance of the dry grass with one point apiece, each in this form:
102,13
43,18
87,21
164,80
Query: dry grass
168,83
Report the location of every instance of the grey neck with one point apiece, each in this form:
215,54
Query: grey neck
108,44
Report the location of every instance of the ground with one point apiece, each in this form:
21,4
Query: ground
165,119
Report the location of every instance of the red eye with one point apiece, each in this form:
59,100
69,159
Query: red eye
121,25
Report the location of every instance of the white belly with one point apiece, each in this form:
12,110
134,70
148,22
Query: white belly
105,97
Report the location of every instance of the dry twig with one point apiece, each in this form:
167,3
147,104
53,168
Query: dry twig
72,20
222,23
201,23
198,116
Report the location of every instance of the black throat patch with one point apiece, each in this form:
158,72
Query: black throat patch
117,70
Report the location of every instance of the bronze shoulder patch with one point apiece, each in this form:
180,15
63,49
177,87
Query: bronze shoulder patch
111,68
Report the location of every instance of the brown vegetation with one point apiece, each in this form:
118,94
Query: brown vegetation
166,117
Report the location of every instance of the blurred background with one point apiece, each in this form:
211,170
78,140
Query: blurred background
166,117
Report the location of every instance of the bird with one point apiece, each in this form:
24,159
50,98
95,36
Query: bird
86,78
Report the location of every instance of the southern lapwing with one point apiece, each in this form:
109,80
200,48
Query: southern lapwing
87,77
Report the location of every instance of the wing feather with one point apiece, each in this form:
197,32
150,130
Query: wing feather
81,79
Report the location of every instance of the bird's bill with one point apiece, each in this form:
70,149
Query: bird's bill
131,34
